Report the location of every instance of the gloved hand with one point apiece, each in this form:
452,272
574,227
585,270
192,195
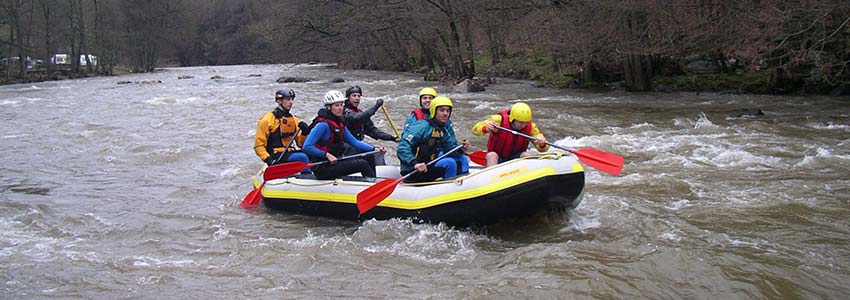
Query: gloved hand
379,103
269,160
303,126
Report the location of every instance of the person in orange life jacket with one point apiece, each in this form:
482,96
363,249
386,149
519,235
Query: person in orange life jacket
276,128
327,138
423,140
502,145
360,124
426,95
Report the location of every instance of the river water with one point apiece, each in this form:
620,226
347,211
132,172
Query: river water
131,191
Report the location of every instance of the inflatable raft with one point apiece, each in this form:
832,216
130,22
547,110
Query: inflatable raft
513,189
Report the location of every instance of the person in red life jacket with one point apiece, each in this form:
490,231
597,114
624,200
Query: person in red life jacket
327,139
502,145
276,128
425,140
360,124
423,111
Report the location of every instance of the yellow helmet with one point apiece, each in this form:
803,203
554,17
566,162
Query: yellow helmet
427,91
440,101
520,112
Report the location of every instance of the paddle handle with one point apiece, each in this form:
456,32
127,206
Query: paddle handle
434,160
531,137
392,124
347,157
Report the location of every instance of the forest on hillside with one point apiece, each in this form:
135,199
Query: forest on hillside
760,46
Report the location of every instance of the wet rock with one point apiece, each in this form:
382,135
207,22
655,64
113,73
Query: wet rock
185,77
255,75
337,80
125,82
216,77
294,79
841,90
152,81
469,86
747,113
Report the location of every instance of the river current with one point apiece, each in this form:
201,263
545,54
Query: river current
132,191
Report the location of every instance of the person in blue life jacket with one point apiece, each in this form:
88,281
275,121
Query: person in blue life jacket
424,140
327,138
360,124
275,130
503,146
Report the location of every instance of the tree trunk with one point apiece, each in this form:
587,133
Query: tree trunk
638,71
48,43
637,68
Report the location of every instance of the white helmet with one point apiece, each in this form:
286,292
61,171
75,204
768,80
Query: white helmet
332,97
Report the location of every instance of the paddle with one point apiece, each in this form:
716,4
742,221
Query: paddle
254,196
290,168
606,162
479,157
387,114
370,197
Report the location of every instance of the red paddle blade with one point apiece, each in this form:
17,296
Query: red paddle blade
284,170
370,197
253,198
603,161
479,157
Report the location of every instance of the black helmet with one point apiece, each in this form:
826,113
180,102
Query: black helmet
352,90
285,92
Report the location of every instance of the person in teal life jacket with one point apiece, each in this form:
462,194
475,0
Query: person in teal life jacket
360,124
424,140
426,95
502,145
276,128
327,139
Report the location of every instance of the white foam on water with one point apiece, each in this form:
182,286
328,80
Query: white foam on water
429,243
16,136
679,204
168,100
230,172
149,261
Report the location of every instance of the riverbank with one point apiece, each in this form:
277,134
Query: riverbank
41,75
692,76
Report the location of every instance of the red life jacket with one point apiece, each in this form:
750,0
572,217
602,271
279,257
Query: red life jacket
507,144
334,145
419,113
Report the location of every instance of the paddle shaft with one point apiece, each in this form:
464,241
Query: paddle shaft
345,157
601,160
434,160
531,137
387,114
294,136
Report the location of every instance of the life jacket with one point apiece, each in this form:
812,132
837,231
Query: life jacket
428,151
283,133
420,113
507,144
357,129
334,145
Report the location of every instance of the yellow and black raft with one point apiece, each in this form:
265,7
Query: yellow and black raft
510,190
